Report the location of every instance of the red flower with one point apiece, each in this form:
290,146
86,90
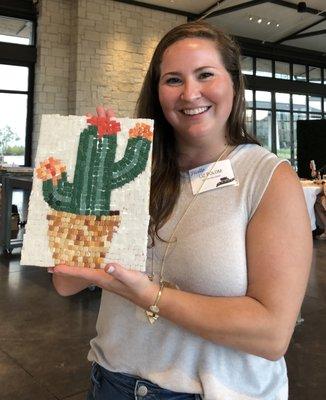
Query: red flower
105,126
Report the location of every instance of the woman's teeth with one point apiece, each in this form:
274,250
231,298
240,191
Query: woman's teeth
195,111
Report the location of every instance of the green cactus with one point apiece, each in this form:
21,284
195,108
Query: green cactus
96,172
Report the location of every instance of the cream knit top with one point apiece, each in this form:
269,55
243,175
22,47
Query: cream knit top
209,258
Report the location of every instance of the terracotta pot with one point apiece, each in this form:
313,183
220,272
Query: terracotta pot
81,240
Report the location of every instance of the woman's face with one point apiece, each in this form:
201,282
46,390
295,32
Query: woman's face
195,91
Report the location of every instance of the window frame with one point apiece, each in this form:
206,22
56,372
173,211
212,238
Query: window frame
290,86
25,56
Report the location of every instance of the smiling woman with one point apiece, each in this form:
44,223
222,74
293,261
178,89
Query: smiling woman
228,265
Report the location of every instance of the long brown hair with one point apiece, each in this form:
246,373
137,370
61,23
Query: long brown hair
165,183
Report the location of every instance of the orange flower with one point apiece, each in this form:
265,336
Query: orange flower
51,168
141,130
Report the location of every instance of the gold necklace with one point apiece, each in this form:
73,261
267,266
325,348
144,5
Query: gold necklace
161,274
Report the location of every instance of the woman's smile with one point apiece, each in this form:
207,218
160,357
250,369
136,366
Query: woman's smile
195,111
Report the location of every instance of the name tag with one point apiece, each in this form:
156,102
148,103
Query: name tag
212,176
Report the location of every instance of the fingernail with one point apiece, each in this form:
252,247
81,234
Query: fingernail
111,269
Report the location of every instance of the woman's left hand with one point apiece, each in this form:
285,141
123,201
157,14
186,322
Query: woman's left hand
132,285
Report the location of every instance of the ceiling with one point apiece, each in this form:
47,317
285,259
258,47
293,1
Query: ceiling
280,20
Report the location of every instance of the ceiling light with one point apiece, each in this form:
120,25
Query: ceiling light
262,20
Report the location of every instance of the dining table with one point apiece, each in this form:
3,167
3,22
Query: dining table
311,190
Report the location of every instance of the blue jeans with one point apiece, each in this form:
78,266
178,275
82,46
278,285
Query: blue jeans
107,385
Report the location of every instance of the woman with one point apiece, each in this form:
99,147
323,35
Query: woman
320,210
237,257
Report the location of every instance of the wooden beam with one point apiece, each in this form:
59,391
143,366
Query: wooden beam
299,31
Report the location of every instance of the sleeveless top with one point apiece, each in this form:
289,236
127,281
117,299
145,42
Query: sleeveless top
209,257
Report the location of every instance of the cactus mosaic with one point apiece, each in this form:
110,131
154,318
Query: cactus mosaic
96,172
81,223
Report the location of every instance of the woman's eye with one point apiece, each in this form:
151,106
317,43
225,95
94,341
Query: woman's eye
173,81
205,75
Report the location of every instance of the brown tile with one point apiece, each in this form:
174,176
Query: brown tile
18,384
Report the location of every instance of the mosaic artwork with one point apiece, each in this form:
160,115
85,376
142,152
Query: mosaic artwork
90,196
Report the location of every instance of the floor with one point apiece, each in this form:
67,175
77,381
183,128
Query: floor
44,338
306,357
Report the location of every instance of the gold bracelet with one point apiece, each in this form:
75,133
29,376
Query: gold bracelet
153,312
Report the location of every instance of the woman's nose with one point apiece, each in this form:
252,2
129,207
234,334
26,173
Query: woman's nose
191,90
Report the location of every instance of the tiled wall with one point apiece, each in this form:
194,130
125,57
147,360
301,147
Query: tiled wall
92,52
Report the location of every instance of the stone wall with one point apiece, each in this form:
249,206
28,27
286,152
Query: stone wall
93,52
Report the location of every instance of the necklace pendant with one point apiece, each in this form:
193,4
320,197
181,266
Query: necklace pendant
151,316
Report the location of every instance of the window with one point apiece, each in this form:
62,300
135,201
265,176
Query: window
299,102
272,115
263,99
283,125
13,77
314,104
283,134
13,110
250,121
282,101
264,128
263,67
247,65
314,75
299,73
14,30
282,70
296,117
249,98
17,62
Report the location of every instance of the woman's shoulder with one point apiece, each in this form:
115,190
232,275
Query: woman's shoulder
254,157
253,150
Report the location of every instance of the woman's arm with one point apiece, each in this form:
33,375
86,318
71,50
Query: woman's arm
279,251
67,285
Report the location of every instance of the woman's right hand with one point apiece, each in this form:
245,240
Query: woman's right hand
68,285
